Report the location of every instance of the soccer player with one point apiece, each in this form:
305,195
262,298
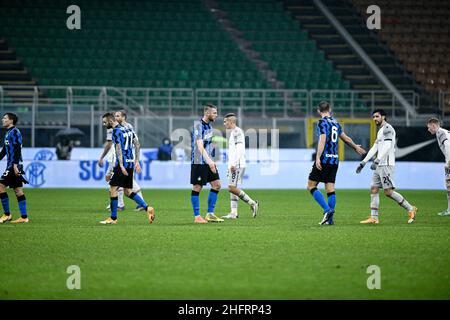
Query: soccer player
443,139
327,160
126,161
203,168
383,166
110,154
121,118
236,167
13,175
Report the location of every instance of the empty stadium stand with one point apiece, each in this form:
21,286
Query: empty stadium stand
418,32
128,44
337,49
200,44
282,44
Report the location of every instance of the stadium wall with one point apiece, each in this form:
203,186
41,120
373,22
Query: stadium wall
289,171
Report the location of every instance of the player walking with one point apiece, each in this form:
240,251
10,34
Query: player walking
383,166
123,139
203,168
327,160
110,154
236,167
121,118
13,175
443,139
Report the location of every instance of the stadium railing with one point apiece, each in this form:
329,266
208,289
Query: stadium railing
168,101
156,112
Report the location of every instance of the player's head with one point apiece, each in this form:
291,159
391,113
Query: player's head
379,115
121,116
229,121
433,125
324,108
9,119
108,120
210,112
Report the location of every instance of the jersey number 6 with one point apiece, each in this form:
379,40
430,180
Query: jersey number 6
334,134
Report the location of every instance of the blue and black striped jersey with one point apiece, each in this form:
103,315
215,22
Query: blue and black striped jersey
202,131
332,129
12,148
124,137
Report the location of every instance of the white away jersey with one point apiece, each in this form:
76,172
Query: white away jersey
443,135
386,135
109,134
236,148
111,155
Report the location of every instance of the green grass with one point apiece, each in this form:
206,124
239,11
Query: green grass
282,254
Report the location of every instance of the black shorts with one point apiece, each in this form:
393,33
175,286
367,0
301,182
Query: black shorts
201,174
120,180
326,175
9,179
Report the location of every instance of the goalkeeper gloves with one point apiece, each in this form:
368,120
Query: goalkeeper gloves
375,164
360,167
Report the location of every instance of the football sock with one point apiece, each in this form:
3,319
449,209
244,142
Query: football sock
244,197
138,199
195,201
374,204
22,202
5,203
234,199
331,199
212,198
397,197
137,189
114,205
120,198
318,196
448,197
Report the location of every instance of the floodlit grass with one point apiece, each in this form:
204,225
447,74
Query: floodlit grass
282,254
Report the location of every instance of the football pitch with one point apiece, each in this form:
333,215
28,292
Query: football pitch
282,254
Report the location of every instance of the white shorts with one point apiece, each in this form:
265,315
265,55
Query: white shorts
236,177
447,174
383,177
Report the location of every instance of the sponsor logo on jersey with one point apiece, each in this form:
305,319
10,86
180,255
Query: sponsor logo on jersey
331,155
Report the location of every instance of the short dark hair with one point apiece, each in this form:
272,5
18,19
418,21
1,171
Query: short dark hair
12,116
324,106
228,115
123,113
434,120
380,111
209,106
108,115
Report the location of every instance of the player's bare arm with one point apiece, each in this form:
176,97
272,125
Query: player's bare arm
349,141
205,155
320,148
137,147
120,157
106,148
